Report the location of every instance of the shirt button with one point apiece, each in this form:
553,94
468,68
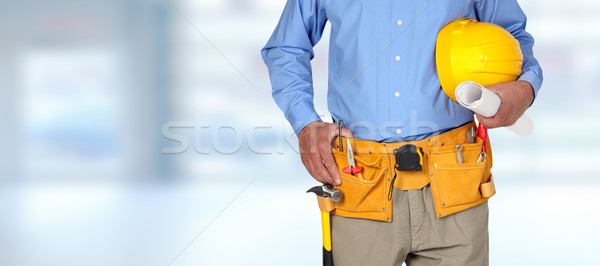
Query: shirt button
397,58
397,94
398,131
399,22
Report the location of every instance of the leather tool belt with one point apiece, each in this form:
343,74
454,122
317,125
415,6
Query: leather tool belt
456,183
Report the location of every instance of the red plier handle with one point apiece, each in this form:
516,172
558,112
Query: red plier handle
482,133
353,171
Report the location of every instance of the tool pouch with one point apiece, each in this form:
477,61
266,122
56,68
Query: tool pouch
459,186
455,186
364,198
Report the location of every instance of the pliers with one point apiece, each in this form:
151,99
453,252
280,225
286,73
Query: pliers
352,169
482,133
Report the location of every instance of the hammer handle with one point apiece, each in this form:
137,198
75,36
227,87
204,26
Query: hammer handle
327,252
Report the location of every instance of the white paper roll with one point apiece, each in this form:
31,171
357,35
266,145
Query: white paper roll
486,103
523,127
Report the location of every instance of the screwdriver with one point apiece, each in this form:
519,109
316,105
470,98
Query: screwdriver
471,135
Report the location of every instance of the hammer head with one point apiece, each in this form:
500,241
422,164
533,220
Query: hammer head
327,191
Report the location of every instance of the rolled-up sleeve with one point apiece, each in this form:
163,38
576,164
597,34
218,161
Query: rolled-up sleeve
509,15
287,55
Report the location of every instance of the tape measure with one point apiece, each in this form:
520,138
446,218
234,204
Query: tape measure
409,158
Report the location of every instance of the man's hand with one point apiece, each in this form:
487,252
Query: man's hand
315,150
516,97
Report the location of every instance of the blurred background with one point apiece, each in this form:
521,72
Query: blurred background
142,132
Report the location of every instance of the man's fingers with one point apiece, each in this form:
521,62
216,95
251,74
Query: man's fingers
315,143
330,164
320,170
312,171
516,97
488,122
480,118
307,164
347,133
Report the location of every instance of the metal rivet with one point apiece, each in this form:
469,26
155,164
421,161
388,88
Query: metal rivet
389,179
443,204
435,165
429,140
385,155
430,174
384,209
439,214
442,144
388,218
370,152
385,170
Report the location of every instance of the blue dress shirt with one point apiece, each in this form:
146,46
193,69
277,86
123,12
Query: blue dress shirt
383,82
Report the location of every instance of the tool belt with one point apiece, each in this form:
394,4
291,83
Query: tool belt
455,186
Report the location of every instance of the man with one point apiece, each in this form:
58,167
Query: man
384,88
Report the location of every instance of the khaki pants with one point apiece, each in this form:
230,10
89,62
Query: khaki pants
414,236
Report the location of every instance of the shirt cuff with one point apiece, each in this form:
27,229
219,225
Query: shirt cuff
533,79
302,114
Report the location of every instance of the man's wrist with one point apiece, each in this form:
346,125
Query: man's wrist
533,80
529,91
307,126
301,115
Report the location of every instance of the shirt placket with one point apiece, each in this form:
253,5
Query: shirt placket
395,93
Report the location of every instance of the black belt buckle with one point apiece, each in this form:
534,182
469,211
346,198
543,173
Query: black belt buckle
409,158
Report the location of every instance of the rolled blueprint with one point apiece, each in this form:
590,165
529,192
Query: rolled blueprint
486,103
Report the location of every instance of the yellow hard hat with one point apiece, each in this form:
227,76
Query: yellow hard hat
485,53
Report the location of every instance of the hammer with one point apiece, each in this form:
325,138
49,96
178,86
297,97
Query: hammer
326,195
